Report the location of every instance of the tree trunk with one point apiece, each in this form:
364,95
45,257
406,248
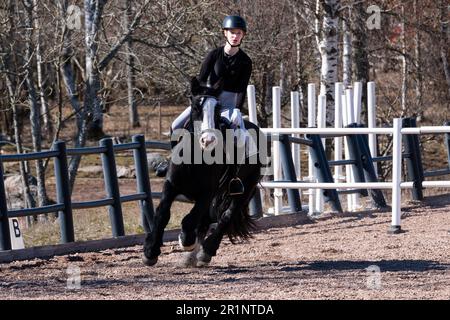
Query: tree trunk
418,62
443,18
93,10
404,66
301,78
34,104
359,50
328,48
131,73
346,55
48,126
68,76
297,49
12,97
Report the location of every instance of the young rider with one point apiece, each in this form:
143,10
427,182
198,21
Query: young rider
230,65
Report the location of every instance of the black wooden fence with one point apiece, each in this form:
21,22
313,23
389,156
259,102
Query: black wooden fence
64,205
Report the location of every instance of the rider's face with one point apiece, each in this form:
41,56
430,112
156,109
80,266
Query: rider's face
234,36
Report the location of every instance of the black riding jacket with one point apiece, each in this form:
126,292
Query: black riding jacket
234,71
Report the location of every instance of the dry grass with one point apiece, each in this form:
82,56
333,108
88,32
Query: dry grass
94,224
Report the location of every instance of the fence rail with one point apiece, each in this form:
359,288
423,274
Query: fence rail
397,131
64,205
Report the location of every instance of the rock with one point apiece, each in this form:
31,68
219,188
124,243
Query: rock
125,172
91,169
15,190
154,160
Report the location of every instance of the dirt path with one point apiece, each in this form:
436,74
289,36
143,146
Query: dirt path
327,259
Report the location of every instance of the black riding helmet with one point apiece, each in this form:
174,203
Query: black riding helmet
234,22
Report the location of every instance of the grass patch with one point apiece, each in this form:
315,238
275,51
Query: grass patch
94,224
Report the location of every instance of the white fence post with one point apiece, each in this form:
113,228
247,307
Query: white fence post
338,124
295,123
321,123
311,123
357,94
355,204
371,119
276,107
396,176
251,100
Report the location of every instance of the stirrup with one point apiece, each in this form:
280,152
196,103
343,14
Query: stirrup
235,187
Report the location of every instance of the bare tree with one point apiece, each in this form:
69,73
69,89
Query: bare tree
418,63
360,51
131,72
33,101
14,86
48,128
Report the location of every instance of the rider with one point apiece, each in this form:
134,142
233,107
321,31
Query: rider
230,65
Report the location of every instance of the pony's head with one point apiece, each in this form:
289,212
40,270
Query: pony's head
203,106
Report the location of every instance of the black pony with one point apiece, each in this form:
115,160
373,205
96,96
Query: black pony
216,211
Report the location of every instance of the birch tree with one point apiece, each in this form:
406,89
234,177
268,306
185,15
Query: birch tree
33,101
346,53
327,12
131,72
45,112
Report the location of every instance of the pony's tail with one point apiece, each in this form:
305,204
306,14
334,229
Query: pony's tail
241,225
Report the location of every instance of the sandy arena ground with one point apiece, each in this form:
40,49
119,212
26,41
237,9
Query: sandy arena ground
336,257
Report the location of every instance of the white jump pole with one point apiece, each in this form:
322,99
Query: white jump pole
338,87
276,112
252,113
251,100
348,167
321,123
357,95
396,176
351,119
371,118
311,123
295,123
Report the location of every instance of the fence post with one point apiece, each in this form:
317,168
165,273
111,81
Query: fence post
276,115
311,124
396,177
5,237
320,162
112,187
356,156
413,160
369,170
143,183
63,193
289,173
255,206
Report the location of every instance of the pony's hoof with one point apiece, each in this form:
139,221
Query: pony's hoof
186,248
149,261
203,259
189,260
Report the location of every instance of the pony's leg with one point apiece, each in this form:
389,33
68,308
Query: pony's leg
212,241
154,239
191,222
